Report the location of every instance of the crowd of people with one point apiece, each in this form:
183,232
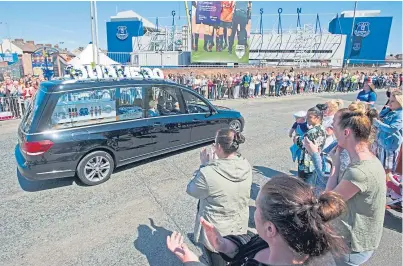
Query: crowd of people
16,94
349,163
258,84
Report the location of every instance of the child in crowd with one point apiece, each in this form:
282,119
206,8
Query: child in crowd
317,135
300,127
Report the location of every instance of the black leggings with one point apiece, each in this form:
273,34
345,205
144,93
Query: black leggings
263,91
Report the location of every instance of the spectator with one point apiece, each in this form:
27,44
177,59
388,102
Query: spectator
389,136
265,80
293,229
367,95
272,84
246,80
222,186
362,185
332,107
317,135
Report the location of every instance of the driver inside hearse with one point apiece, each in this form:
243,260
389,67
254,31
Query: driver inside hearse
152,109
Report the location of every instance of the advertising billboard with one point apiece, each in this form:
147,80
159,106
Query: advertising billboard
220,31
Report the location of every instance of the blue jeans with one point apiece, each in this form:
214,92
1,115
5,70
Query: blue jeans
278,87
354,258
257,87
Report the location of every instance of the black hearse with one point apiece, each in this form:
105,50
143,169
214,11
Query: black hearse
89,127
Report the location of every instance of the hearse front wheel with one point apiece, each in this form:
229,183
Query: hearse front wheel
95,168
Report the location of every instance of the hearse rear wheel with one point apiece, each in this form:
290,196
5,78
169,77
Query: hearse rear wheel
235,125
95,168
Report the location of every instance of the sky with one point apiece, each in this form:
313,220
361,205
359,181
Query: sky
69,22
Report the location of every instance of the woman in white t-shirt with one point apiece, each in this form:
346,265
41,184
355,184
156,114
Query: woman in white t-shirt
197,84
252,86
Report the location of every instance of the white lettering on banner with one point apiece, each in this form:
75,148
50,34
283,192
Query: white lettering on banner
112,72
6,59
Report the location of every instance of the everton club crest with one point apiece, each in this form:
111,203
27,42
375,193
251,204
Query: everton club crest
240,51
122,33
362,29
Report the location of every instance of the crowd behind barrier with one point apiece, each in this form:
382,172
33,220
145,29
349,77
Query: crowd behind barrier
16,94
276,84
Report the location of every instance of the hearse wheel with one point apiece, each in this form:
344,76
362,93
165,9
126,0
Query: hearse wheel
235,125
95,168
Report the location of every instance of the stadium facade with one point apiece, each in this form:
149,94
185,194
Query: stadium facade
132,39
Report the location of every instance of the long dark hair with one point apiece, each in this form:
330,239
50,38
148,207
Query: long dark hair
300,217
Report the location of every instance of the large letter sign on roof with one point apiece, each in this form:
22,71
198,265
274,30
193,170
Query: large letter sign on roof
82,72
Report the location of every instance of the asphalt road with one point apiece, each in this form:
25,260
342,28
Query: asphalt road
125,221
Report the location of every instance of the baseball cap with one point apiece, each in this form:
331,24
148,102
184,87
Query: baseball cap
300,114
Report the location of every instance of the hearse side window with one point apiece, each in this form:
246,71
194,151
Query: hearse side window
194,103
163,101
130,103
88,107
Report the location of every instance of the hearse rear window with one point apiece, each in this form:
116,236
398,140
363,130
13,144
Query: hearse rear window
88,107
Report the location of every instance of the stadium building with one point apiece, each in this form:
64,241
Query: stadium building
132,39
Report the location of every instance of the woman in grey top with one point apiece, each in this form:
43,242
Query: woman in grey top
222,185
362,185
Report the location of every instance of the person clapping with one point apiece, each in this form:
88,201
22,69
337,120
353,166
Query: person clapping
292,224
222,185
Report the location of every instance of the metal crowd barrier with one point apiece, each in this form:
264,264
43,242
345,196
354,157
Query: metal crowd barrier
12,107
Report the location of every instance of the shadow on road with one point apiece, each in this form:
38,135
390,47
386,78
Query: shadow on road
294,173
34,186
251,222
392,222
254,191
152,242
267,172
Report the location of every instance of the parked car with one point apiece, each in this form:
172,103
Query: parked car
89,127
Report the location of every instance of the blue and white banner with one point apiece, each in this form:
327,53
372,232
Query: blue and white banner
10,58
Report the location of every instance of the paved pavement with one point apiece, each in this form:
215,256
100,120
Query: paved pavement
125,221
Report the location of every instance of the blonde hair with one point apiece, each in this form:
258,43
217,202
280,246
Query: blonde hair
334,105
398,96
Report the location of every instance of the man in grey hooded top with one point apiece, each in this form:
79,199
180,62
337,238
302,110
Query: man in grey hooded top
222,185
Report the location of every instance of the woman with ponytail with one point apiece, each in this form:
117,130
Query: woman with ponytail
222,185
293,227
361,185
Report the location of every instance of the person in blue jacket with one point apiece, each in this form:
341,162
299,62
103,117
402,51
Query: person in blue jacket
389,135
368,94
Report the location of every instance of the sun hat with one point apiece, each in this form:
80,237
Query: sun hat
300,114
